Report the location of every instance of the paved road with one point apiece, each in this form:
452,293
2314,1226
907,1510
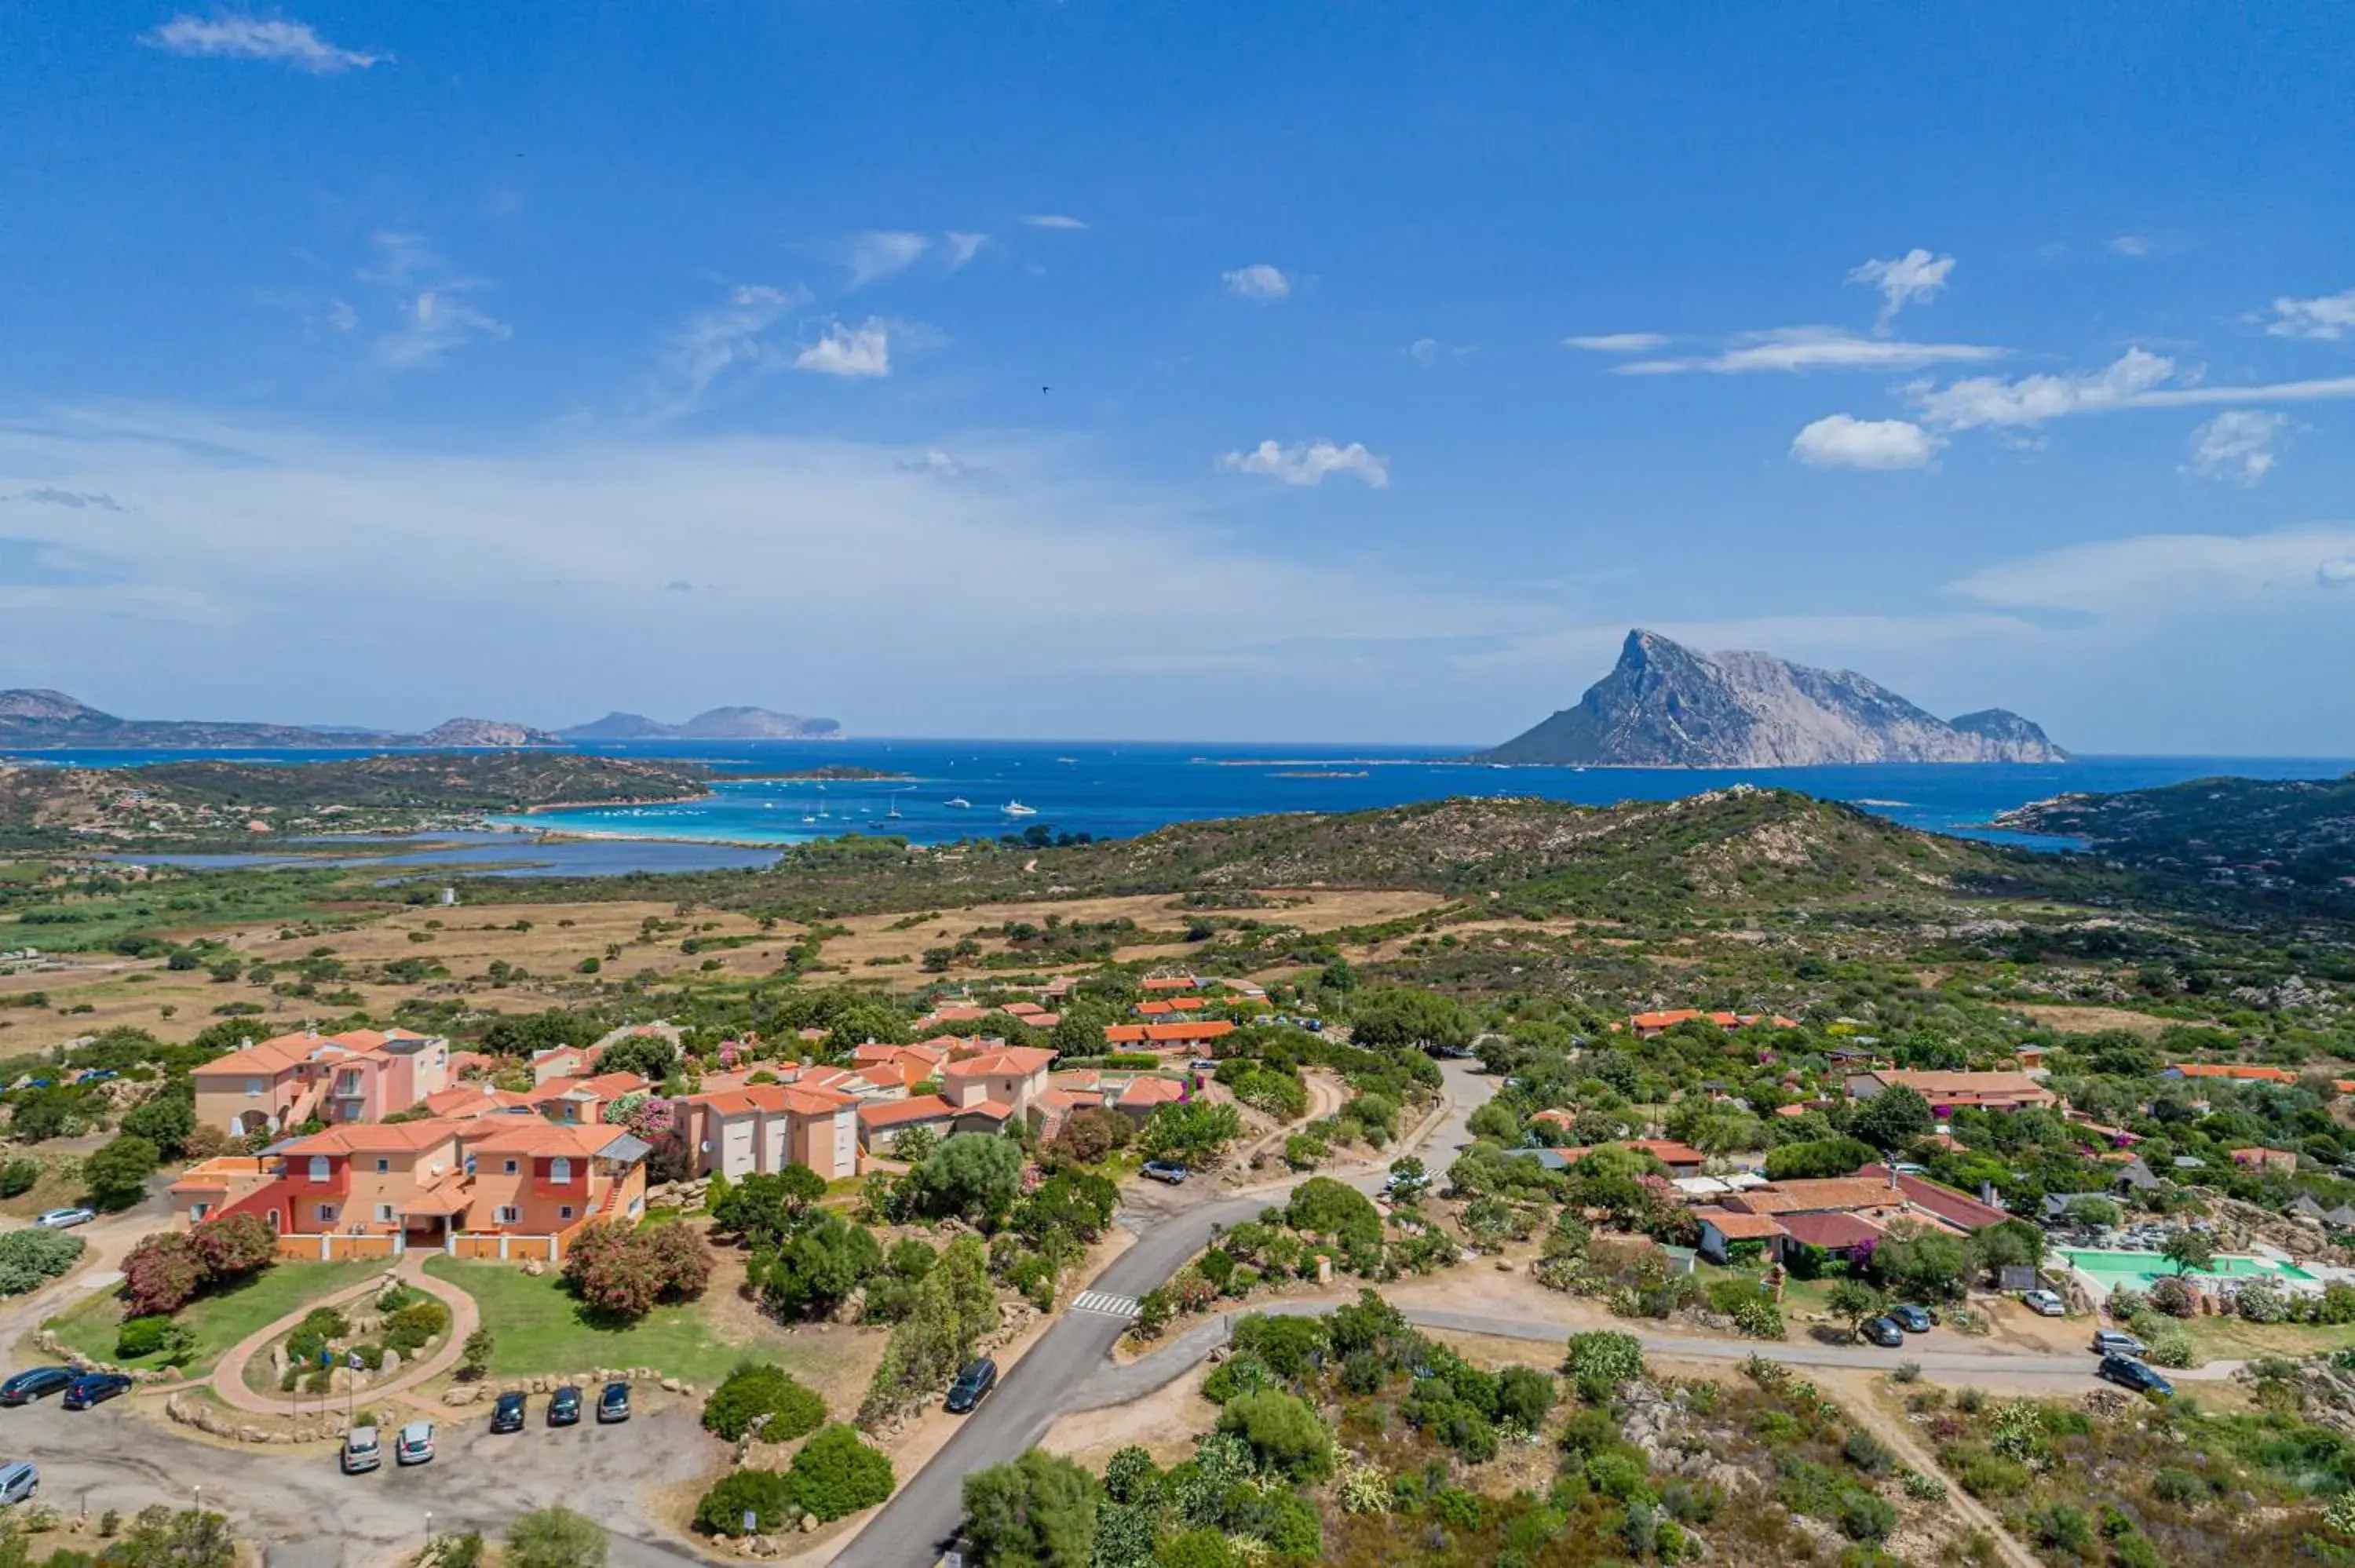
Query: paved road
918,1524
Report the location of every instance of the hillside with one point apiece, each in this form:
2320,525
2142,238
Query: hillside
714,724
1666,705
33,720
2298,830
179,802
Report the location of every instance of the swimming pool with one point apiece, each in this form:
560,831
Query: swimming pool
2137,1270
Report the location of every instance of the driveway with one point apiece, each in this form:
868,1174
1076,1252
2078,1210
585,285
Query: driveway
923,1519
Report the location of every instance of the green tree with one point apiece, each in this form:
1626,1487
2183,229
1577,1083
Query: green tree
766,1207
1893,1117
650,1056
1922,1262
2190,1251
974,1176
1192,1131
1855,1300
475,1357
821,1267
117,1171
759,1393
1405,1016
1284,1434
1038,1512
165,1118
554,1538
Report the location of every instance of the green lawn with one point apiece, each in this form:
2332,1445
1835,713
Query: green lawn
220,1321
538,1328
2236,1339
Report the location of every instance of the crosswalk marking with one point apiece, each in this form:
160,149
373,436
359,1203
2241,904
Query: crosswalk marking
1105,1303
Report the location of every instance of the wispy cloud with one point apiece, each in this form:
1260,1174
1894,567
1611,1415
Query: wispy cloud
2150,576
431,313
1052,220
963,248
2032,399
1914,278
2327,319
1619,342
1841,441
2239,444
878,253
1805,348
235,35
73,499
711,343
2130,245
857,352
1257,281
1308,463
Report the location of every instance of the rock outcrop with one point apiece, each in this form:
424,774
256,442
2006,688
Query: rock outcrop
1666,705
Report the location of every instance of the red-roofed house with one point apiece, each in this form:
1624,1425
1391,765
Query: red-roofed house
1140,1098
362,1075
584,1100
1647,1024
1172,982
2266,1159
880,1125
2240,1072
1720,1228
1193,1035
1015,1075
1681,1158
764,1128
1948,1092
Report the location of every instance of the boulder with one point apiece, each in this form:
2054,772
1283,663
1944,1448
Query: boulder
534,1268
809,1522
391,1362
670,1385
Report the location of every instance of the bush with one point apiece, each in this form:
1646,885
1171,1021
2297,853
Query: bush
836,1474
30,1258
622,1272
1604,1356
1284,1434
1039,1511
766,1495
117,1170
17,1177
1923,1488
1322,1206
2182,1487
1865,1517
1524,1394
153,1336
1868,1453
2173,1347
757,1389
165,1272
408,1327
2061,1527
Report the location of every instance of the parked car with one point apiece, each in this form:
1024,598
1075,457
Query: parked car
2133,1373
1204,1064
362,1451
972,1385
1913,1320
564,1406
18,1479
94,1388
36,1383
2045,1302
614,1404
1167,1170
65,1219
415,1444
507,1416
2116,1342
1884,1332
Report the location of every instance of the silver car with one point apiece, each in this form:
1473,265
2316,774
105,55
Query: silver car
18,1479
2045,1302
362,1451
65,1219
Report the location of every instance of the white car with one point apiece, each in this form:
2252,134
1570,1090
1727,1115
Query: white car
2045,1302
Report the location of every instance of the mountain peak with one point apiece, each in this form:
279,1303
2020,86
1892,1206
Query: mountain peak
1666,705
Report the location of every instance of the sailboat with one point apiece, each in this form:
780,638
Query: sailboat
958,803
1017,809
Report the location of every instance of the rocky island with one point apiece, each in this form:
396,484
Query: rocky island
1666,705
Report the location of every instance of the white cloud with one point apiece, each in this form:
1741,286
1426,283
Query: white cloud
1052,220
1840,440
1257,281
2238,445
2151,577
1619,342
2337,572
431,324
2328,318
1914,278
1308,463
2032,399
2130,245
1423,351
341,316
963,248
233,34
878,253
1807,348
713,341
861,351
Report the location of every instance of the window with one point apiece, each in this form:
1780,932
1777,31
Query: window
509,1214
319,1168
252,1088
512,1168
382,1165
327,1214
384,1213
559,1169
565,1212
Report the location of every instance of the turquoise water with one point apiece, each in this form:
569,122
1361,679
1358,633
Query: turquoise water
2138,1270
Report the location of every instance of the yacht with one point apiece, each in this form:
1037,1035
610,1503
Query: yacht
1017,809
958,803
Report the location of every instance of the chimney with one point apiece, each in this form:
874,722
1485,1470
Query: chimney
1987,1194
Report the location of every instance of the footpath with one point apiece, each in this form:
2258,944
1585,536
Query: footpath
228,1378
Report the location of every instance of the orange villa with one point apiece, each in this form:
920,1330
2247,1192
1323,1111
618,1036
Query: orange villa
1647,1024
764,1128
362,1075
1192,1034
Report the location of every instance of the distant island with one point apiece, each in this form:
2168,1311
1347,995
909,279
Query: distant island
714,724
33,719
1666,705
2265,832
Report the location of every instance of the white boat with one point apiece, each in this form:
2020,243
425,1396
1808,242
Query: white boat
1017,809
958,803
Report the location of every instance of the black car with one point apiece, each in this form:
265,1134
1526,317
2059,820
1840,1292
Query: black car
2129,1372
614,1404
1884,1332
36,1383
94,1388
972,1385
564,1406
507,1416
1913,1320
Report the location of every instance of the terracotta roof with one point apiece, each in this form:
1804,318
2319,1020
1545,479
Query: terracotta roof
213,1175
1964,1088
1831,1231
772,1098
473,1100
1959,1209
1020,1060
893,1113
1071,1099
375,1138
276,1054
1674,1016
604,1087
1152,1092
1735,1226
2246,1071
530,1135
1666,1151
1170,982
1814,1197
995,1110
451,1195
1157,1034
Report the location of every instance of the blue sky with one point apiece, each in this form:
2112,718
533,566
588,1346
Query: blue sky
1255,372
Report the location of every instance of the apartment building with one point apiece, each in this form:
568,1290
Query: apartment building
765,1128
362,1075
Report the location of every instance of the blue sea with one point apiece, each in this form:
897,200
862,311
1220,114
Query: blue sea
1120,790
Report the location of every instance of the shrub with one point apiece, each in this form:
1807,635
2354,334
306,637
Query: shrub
2170,1295
836,1474
2062,1527
1524,1394
30,1258
1923,1488
621,1271
154,1336
2173,1347
1605,1356
766,1495
1322,1206
1364,1488
757,1389
1283,1432
1868,1453
2183,1489
1986,1474
554,1538
17,1177
165,1272
408,1327
1865,1517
